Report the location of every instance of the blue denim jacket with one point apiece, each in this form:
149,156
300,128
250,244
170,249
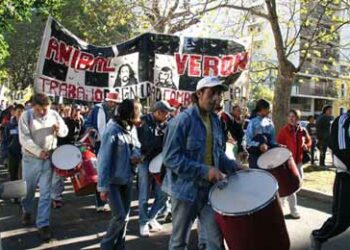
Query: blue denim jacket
260,125
184,152
117,147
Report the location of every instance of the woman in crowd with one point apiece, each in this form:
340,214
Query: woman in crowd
118,156
260,133
297,140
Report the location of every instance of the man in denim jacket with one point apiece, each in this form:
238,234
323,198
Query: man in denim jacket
194,157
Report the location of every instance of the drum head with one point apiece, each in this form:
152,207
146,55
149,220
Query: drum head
273,158
229,151
246,192
156,164
66,157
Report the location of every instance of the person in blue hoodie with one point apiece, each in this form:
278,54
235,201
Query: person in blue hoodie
118,156
11,140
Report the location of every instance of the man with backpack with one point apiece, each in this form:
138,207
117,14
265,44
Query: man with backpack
340,145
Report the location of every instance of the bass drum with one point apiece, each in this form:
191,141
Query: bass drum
248,212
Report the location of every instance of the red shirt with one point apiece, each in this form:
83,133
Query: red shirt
294,138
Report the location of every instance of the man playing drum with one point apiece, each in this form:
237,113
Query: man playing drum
194,157
38,131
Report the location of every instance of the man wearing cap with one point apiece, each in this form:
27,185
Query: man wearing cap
194,158
98,119
150,135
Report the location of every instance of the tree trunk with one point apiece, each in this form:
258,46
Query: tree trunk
281,100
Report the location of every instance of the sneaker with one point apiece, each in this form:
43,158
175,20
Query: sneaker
45,233
100,208
315,244
104,208
155,226
144,230
107,208
26,219
294,216
56,204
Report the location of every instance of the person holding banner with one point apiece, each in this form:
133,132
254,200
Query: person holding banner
194,159
39,128
119,155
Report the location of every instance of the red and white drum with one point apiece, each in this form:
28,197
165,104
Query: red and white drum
66,160
248,212
155,167
279,162
85,180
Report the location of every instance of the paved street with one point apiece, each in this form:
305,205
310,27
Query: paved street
78,226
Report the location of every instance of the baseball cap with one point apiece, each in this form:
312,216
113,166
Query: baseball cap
163,106
211,82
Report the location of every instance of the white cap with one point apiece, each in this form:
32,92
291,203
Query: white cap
210,82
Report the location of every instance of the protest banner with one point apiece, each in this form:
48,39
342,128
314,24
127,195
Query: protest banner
150,65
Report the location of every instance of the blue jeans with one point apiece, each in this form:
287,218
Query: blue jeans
184,214
160,197
37,172
57,187
119,200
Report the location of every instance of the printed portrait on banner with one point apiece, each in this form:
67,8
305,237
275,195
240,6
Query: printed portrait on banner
165,72
126,70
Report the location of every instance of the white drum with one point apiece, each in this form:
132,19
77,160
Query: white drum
66,160
243,193
273,158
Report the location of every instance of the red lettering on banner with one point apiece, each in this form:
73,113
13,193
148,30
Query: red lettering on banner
61,53
195,65
181,63
107,66
241,61
65,52
86,60
211,66
75,56
63,89
54,87
72,91
226,65
52,49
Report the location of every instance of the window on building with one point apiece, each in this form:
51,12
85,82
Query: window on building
301,103
342,90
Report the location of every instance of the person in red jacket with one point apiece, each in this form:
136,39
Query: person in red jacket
297,140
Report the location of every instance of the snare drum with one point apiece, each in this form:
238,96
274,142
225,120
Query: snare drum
85,180
155,167
248,212
279,162
66,160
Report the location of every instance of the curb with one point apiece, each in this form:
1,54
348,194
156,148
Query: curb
315,195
